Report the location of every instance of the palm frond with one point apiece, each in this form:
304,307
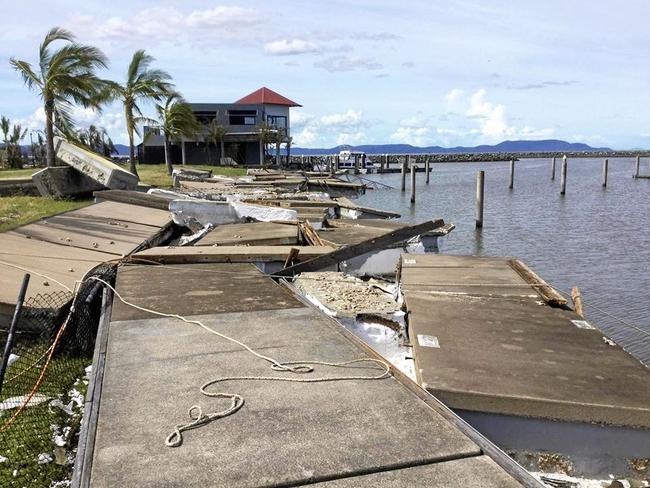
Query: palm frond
30,78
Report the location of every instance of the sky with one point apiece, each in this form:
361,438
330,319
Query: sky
449,73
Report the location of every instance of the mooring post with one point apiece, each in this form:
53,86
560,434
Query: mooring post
427,168
553,168
382,163
413,171
480,191
363,161
512,174
563,176
637,169
405,163
605,164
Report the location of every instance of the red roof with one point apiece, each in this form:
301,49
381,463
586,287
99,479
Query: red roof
268,97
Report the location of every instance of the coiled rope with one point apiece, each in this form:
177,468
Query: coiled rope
198,418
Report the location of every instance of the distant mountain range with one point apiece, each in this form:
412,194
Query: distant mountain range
548,145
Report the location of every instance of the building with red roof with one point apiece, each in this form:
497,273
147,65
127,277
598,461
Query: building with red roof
232,132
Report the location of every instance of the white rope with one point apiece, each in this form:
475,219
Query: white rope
31,271
198,418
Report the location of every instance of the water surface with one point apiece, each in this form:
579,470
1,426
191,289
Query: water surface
593,237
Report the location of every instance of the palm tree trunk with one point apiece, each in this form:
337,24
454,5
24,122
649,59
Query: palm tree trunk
129,128
288,154
168,161
222,148
277,155
49,132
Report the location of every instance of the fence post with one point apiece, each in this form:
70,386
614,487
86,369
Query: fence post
605,164
14,321
480,191
563,176
553,168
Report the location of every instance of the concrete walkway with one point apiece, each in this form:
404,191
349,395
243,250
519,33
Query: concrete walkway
341,433
67,245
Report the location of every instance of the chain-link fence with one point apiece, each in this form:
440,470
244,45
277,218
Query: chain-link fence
42,396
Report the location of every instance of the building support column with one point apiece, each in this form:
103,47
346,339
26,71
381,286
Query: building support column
261,152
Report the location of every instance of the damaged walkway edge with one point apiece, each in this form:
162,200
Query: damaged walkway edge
425,472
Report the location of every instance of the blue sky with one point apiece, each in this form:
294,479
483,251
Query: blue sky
420,72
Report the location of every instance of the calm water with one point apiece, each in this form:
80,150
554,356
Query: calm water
593,237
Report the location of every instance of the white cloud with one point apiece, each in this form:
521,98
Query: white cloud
167,24
288,47
452,97
348,63
338,128
477,121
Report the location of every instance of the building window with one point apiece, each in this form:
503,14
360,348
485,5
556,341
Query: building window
242,117
279,121
205,118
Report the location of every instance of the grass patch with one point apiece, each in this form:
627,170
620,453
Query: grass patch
31,434
156,174
18,173
20,210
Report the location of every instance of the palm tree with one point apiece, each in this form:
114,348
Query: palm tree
267,136
13,150
176,121
96,139
215,135
142,84
278,139
64,76
289,141
5,128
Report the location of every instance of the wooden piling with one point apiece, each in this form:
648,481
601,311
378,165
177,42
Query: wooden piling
605,164
637,168
382,163
576,296
413,171
512,174
480,191
563,176
553,168
405,163
427,168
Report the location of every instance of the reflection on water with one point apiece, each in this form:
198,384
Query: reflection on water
593,237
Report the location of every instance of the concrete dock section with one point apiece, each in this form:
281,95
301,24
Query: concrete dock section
66,246
355,432
485,341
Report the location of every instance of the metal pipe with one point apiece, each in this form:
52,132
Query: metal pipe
14,321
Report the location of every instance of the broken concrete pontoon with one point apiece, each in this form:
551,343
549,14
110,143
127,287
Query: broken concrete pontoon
91,164
64,181
66,246
354,250
338,433
529,375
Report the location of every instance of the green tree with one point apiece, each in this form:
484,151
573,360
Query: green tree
142,84
267,136
97,139
14,151
289,142
64,76
215,134
176,120
5,127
